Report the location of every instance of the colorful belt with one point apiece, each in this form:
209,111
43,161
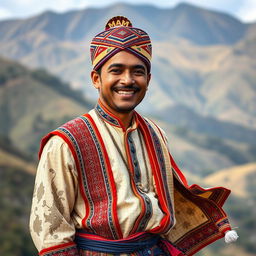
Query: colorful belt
140,243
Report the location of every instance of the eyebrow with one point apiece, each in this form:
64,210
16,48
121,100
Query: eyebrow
119,65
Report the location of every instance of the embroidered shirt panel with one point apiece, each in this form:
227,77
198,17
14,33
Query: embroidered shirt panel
129,199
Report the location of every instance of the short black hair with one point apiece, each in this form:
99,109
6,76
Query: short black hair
99,70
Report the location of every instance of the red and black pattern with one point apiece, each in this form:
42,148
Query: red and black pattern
216,219
68,249
95,176
212,229
159,171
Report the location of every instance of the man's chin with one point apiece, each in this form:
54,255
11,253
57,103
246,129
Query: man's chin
125,109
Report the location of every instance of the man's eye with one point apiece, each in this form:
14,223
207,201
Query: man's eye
139,72
115,70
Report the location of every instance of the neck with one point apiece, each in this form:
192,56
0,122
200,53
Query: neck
125,118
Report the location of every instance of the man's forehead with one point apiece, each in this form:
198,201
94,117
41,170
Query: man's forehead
125,59
123,65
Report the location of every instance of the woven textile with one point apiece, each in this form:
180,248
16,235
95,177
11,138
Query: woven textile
140,244
121,37
68,249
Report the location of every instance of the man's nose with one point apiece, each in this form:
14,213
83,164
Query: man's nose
127,78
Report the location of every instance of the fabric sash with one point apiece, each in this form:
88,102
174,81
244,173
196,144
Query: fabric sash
139,243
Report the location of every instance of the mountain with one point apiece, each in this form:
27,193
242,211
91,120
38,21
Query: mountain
34,102
209,68
199,155
182,116
218,81
11,157
241,179
186,21
241,205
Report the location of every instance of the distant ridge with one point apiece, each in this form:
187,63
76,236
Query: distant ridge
203,60
195,24
11,157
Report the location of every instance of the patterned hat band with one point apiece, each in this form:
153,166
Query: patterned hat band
118,38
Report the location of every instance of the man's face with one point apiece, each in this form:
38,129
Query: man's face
122,83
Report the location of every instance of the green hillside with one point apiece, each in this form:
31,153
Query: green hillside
11,157
16,188
199,154
33,103
15,198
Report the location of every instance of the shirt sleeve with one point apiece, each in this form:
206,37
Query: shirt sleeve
56,184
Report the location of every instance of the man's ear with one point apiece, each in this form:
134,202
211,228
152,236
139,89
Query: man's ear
96,80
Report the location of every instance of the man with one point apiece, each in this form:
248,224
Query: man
106,183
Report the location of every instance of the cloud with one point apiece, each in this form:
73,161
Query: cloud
248,11
64,5
25,8
4,13
245,9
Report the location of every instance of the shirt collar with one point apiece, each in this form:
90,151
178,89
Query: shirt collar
110,118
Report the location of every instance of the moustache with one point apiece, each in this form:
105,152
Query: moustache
133,87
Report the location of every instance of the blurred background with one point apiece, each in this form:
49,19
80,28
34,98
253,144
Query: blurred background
202,93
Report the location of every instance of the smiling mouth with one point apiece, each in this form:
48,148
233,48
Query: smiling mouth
126,91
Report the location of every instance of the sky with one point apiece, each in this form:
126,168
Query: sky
245,10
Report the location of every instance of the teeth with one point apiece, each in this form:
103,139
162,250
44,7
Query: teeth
126,92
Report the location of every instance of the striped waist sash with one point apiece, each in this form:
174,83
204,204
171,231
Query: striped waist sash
134,243
140,242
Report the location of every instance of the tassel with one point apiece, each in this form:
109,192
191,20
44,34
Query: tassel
231,236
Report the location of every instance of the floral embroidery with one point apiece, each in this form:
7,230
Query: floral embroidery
186,224
56,209
40,192
190,211
37,225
